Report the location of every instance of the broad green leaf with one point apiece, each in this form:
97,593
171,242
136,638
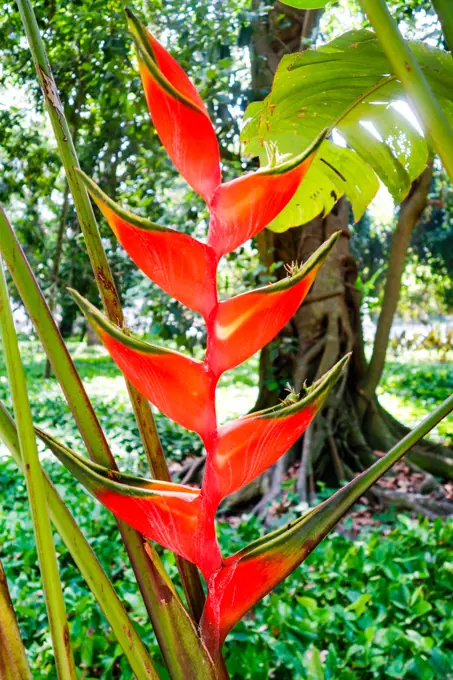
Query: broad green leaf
360,604
323,185
348,87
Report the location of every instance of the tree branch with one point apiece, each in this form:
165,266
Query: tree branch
410,213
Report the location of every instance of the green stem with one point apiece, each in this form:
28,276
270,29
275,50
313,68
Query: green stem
169,618
189,574
87,563
403,62
326,515
13,662
54,345
444,10
43,533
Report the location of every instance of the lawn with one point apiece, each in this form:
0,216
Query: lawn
379,606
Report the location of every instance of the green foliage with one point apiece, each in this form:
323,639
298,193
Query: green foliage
107,391
95,71
353,75
357,610
333,618
413,389
306,4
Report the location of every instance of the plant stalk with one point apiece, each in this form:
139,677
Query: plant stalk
189,574
427,108
87,563
13,662
444,10
29,452
326,515
176,637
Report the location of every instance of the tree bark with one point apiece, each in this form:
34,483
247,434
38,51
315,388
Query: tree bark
410,212
328,324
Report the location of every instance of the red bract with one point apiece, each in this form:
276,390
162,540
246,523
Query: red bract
179,386
171,514
181,518
179,114
246,447
182,266
243,207
241,326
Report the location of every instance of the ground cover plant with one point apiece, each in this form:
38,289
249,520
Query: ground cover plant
287,628
329,603
180,517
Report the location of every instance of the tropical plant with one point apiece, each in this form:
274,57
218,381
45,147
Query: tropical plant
181,518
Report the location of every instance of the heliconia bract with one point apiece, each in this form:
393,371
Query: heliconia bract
179,517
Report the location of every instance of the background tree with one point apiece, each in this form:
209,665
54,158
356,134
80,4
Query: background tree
328,323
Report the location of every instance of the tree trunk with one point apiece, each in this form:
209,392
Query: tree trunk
352,424
92,336
410,213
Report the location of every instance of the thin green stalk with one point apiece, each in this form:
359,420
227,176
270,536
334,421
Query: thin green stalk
87,563
54,345
406,68
444,10
176,637
189,574
13,662
43,533
325,516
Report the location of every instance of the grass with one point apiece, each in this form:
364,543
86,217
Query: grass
412,387
380,606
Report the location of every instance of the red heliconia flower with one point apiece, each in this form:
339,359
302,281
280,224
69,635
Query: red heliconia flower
182,266
170,514
179,386
241,326
246,447
179,113
179,517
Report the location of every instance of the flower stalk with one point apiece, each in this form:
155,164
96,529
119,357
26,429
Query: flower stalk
101,269
56,611
87,563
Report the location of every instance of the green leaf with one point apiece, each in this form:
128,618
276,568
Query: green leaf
306,4
347,86
323,185
315,670
360,604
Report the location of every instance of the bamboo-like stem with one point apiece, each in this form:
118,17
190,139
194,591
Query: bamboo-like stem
29,452
189,574
444,10
406,68
13,661
177,636
87,563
